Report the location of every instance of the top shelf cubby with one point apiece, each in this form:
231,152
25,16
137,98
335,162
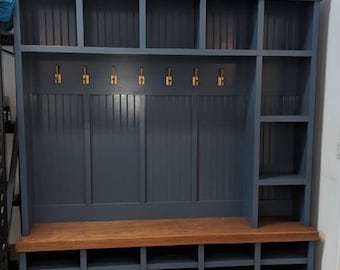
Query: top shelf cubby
288,25
47,22
111,23
231,24
172,24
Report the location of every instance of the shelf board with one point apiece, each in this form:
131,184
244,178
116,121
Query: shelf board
164,232
285,118
230,262
116,267
284,261
285,180
288,53
160,51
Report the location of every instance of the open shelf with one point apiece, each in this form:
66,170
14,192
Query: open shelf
114,258
111,23
284,253
67,260
175,257
286,82
172,24
233,268
228,255
288,25
231,24
48,22
282,149
282,201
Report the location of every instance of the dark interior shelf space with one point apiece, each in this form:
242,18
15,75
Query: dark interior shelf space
175,256
47,22
282,201
286,83
111,23
284,267
294,250
53,260
113,257
172,24
282,149
288,25
231,24
224,255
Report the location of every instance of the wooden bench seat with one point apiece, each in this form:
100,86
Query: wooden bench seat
170,232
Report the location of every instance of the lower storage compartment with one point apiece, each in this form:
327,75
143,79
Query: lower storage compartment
128,259
176,257
284,253
69,260
228,255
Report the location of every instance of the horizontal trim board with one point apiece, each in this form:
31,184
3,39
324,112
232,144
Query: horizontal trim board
228,263
172,265
285,118
65,213
284,261
289,180
167,232
116,267
153,51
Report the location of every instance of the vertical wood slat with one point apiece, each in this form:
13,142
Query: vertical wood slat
142,150
87,137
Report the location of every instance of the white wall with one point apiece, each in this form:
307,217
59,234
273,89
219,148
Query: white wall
327,166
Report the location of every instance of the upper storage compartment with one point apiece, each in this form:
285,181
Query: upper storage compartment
111,23
231,24
46,22
288,25
172,24
286,84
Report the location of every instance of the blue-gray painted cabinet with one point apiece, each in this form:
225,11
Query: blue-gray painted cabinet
149,109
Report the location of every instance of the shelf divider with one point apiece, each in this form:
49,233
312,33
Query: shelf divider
202,24
80,22
142,24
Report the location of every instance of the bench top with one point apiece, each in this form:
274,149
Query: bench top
165,232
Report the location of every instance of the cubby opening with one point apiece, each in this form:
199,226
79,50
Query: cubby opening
286,86
47,22
288,25
128,258
231,24
283,148
173,257
228,255
284,267
286,202
284,253
172,24
111,23
53,260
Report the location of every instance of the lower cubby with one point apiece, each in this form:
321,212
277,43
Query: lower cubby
128,259
176,257
295,253
228,255
67,260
